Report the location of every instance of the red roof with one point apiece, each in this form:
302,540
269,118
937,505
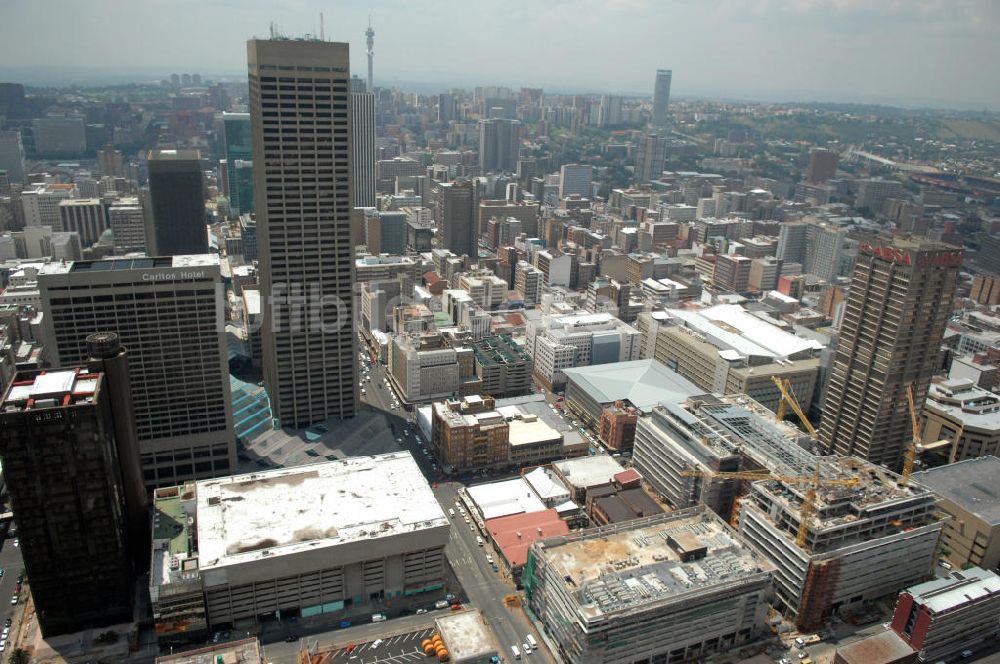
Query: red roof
431,277
515,533
627,476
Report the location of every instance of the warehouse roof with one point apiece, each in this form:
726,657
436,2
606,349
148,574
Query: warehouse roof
644,383
290,510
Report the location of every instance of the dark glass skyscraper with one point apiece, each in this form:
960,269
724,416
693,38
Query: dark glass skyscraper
61,464
177,195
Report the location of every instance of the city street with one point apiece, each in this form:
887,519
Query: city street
485,588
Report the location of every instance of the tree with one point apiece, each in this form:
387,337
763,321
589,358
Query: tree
18,657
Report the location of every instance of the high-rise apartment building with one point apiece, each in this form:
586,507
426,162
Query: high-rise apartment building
61,466
499,145
85,216
303,187
575,179
128,226
177,197
650,157
169,313
822,165
455,218
894,319
661,97
363,148
58,136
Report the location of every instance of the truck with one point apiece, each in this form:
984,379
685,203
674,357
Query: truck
515,652
807,639
531,641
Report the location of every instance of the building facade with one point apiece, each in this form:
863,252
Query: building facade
894,319
61,467
363,146
177,200
303,190
168,312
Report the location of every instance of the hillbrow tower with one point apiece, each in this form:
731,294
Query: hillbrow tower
370,39
894,319
300,122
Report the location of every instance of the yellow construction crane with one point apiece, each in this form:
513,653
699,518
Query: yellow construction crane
788,399
911,451
808,508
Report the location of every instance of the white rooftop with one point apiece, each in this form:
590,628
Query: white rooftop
588,471
505,498
733,327
290,510
546,484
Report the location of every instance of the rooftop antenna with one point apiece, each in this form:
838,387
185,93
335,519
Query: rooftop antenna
322,35
272,29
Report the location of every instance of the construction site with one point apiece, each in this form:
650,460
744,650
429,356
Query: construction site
850,534
675,587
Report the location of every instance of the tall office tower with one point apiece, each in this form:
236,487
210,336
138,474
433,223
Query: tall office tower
610,111
169,313
454,215
385,231
363,148
303,187
238,148
111,161
106,355
12,102
446,108
899,302
822,165
128,226
86,216
661,97
575,179
499,145
61,466
12,155
370,40
177,197
650,157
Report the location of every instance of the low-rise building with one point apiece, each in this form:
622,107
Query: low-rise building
470,434
672,588
966,488
467,638
727,350
304,541
582,339
945,617
503,366
960,420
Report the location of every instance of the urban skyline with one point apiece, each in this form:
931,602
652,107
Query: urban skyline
909,43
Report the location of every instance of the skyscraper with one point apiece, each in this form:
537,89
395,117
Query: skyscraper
238,148
650,157
169,313
499,145
455,218
575,179
661,97
894,319
86,216
302,183
177,196
363,148
822,165
57,439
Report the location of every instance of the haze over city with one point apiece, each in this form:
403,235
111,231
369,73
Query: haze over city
935,53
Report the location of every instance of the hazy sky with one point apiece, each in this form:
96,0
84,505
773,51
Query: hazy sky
934,52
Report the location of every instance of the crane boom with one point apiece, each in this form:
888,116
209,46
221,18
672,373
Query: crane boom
911,452
808,508
788,398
